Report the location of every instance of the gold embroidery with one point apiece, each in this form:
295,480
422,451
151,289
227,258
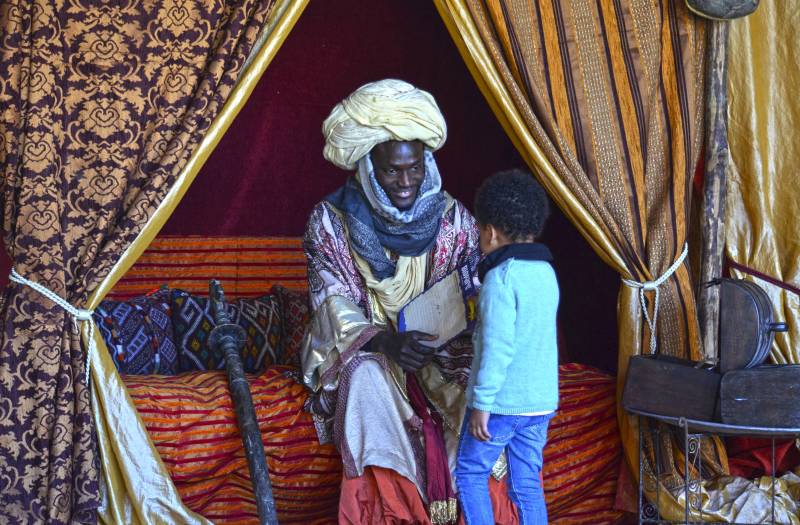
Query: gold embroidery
443,512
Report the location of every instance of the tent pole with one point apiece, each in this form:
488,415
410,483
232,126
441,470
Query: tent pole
230,338
715,184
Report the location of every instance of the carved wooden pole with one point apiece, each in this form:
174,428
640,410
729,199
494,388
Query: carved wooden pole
716,163
230,338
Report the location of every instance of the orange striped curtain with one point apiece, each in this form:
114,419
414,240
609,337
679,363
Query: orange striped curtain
611,94
603,99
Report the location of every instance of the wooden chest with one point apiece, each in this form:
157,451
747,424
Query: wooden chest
764,396
671,387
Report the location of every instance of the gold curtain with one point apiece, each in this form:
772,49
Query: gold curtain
604,101
107,112
139,488
763,205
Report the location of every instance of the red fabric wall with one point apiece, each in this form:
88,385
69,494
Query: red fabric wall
272,155
268,170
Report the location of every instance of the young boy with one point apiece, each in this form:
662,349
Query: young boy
513,389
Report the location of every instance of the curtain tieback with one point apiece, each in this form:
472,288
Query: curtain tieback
77,314
654,285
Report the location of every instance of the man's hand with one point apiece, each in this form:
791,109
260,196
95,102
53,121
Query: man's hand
405,348
479,425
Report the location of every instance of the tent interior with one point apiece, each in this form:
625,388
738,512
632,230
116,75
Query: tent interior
267,172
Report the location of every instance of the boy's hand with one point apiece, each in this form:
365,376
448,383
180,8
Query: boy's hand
479,425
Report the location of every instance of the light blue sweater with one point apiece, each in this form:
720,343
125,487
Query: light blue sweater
515,367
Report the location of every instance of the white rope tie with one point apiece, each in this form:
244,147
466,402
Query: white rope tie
78,314
654,285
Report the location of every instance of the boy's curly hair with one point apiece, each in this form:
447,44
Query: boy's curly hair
513,202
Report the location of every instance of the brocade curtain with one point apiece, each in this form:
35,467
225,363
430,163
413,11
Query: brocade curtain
604,100
763,206
102,104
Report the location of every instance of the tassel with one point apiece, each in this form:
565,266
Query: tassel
443,512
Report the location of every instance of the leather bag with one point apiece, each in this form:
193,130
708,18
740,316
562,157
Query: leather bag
746,324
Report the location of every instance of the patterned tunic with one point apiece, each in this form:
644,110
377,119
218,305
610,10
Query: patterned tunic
346,381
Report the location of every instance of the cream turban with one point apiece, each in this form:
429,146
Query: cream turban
378,112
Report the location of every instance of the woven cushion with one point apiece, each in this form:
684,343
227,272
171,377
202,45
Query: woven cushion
138,333
193,321
295,317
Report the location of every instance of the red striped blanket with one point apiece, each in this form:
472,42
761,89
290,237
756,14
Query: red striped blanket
191,421
583,450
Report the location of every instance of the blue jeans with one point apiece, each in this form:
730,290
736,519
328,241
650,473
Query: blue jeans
523,437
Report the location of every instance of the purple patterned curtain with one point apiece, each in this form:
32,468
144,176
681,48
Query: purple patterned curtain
101,105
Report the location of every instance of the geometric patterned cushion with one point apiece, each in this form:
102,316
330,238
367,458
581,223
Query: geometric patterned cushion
295,317
193,322
138,333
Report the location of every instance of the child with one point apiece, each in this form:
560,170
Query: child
513,389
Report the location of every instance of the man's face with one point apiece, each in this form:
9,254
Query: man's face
400,170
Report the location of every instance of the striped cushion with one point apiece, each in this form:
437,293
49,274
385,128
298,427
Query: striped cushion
191,421
583,444
246,266
594,508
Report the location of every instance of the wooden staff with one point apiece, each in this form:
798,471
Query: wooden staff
716,164
229,338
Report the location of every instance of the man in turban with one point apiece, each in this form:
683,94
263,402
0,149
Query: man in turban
394,404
